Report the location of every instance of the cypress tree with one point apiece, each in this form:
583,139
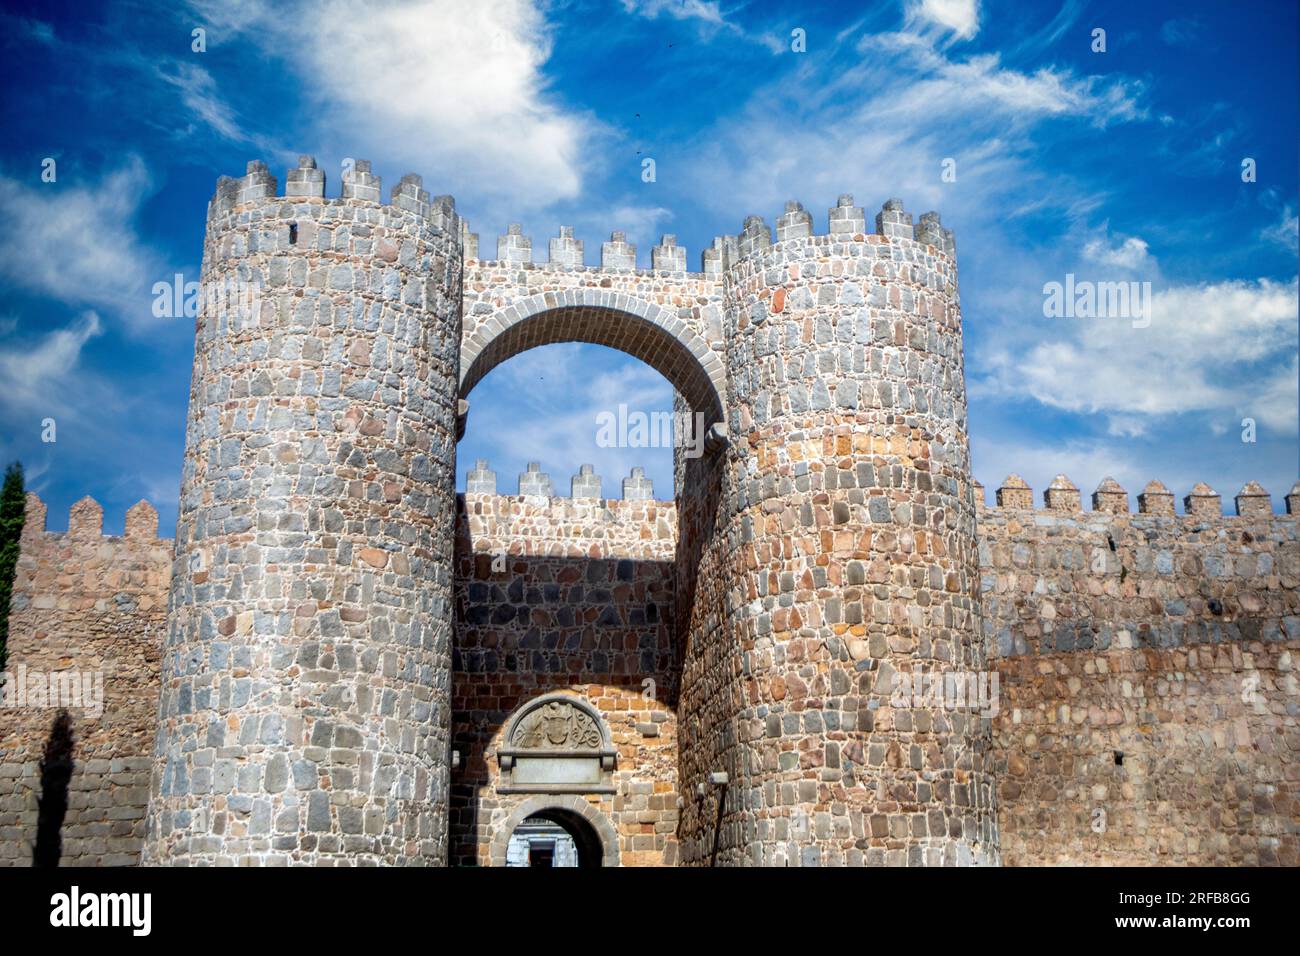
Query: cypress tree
13,508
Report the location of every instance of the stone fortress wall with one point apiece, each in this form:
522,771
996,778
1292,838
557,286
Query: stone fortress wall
305,702
361,667
85,604
1123,688
1149,706
843,546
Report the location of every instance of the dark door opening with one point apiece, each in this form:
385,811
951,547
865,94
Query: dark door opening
541,854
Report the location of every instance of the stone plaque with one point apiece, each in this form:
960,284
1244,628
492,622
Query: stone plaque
557,744
551,770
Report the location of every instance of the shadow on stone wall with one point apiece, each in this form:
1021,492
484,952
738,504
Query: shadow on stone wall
56,774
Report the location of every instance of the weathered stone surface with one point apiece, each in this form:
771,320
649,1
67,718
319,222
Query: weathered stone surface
84,604
1148,710
851,459
317,511
571,595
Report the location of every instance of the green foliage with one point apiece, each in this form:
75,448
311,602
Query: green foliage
13,503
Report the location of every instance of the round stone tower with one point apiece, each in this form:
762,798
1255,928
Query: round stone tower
305,676
847,518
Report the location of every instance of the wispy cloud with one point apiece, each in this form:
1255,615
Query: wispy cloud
112,437
43,377
705,10
29,27
199,96
1286,231
886,118
77,243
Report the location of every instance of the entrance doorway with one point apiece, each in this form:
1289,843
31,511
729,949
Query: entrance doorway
554,837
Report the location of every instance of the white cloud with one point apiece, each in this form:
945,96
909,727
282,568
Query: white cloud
77,244
881,125
198,92
1275,396
972,86
111,439
711,19
42,377
453,88
959,16
1131,254
704,10
1218,350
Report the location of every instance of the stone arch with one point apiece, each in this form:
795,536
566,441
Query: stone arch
640,328
561,809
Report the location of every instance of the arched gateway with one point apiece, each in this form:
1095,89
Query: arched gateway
555,755
339,664
641,328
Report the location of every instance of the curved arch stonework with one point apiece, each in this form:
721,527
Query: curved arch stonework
667,321
566,804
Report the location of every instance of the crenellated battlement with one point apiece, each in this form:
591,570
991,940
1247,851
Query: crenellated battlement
1062,497
535,483
304,197
86,521
87,618
845,223
306,184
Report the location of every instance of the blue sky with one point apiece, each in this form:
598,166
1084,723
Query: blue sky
1123,165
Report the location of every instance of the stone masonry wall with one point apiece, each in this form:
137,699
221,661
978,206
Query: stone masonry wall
714,671
1136,725
1151,756
304,711
848,531
88,604
1149,707
573,595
